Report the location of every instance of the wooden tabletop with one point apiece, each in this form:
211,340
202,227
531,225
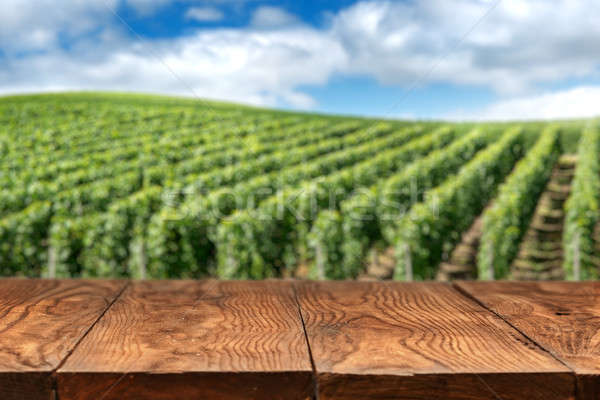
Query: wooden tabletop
97,339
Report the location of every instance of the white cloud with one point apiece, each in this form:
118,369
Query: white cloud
520,46
204,14
260,67
34,25
520,43
271,17
579,102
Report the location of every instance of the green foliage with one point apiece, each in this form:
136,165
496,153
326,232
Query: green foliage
327,239
284,219
432,227
68,238
570,136
505,223
118,235
360,223
581,210
23,240
189,232
157,161
109,185
397,194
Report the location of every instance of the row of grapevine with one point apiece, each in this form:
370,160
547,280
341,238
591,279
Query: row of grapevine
258,157
209,157
99,139
55,129
341,239
105,153
260,242
105,244
30,227
505,222
186,236
62,126
96,197
133,186
22,238
433,226
97,167
304,153
307,148
26,168
582,213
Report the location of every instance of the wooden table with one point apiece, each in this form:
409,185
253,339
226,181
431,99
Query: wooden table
103,340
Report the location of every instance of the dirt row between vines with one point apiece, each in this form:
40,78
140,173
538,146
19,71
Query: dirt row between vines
540,255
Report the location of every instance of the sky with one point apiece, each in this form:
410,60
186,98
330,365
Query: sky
442,59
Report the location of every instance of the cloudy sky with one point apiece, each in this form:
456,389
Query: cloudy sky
472,59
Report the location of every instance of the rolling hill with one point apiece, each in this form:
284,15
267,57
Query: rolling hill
116,185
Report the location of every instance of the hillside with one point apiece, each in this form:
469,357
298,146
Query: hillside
113,185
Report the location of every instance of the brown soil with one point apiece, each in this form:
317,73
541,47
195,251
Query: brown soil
540,255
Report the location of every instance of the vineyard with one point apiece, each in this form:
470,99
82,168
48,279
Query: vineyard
108,185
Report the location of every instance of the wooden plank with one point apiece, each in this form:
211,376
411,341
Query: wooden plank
41,322
192,340
395,340
562,317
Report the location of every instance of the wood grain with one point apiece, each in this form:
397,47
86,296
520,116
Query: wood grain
41,321
563,317
194,339
392,340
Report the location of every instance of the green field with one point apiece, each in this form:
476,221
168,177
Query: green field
112,185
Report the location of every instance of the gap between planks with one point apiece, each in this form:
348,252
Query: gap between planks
467,295
87,331
294,286
461,293
310,355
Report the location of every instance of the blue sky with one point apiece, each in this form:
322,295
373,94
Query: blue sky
455,59
171,19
